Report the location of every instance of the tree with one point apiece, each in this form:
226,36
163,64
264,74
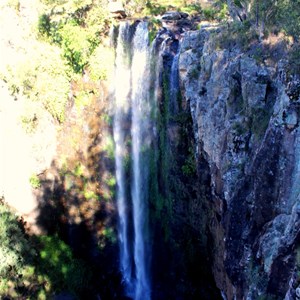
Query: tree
268,15
239,9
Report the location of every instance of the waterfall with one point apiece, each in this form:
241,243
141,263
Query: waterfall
122,92
132,110
140,108
174,84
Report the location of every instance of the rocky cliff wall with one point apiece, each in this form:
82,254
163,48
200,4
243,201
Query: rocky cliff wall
245,121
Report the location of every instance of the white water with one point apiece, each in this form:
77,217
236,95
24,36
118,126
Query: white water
139,127
122,92
132,94
174,84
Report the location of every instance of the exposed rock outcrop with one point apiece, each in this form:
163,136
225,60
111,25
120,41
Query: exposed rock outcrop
116,9
177,22
245,120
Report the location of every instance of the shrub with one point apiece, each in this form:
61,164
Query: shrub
41,75
154,26
77,45
59,266
15,252
100,63
237,34
189,166
76,26
260,121
35,181
294,59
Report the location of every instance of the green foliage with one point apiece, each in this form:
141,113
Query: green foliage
218,12
37,267
60,267
269,16
111,181
294,60
154,26
109,147
209,13
279,15
77,45
14,246
16,256
41,75
237,34
89,194
222,14
239,128
107,119
82,99
289,16
194,73
79,170
76,26
51,85
192,9
154,8
35,181
108,236
44,25
260,121
100,63
189,167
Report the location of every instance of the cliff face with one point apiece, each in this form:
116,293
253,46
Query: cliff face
245,122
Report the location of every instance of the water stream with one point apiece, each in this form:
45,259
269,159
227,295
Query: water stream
140,77
174,84
132,139
140,143
122,94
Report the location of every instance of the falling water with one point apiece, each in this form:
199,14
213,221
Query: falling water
132,98
122,93
174,84
140,108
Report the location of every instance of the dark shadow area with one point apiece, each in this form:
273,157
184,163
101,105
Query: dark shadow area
76,257
179,197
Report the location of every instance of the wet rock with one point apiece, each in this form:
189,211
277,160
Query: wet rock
291,119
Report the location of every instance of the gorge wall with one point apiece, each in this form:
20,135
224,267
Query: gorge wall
245,122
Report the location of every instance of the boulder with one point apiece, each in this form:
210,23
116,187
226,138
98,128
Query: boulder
117,10
174,16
